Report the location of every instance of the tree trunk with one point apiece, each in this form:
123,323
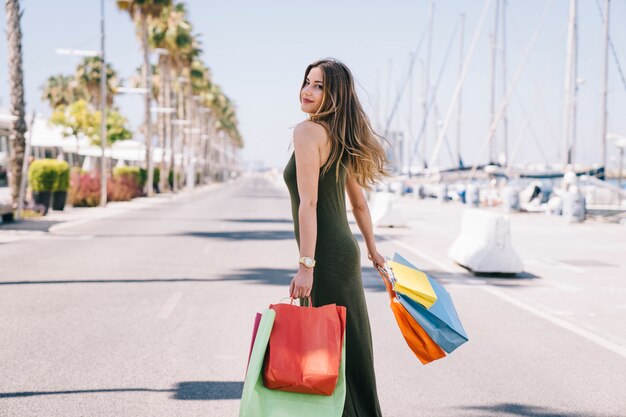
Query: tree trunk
147,97
17,142
163,122
168,120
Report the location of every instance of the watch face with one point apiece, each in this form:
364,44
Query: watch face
308,262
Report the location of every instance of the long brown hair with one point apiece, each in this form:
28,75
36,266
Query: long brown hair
353,141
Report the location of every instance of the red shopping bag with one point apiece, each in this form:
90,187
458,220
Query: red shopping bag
257,320
304,351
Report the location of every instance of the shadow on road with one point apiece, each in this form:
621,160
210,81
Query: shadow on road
229,236
209,390
514,409
30,225
285,221
276,276
265,276
108,281
246,235
272,196
467,278
194,390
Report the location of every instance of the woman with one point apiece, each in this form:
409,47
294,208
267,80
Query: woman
336,151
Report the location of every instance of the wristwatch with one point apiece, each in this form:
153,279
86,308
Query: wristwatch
307,262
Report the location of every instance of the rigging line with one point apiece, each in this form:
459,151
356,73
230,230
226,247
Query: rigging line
406,78
613,51
528,125
537,99
406,111
459,84
450,153
432,98
619,66
86,42
518,73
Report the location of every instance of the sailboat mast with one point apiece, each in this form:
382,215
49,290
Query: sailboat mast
458,116
505,121
494,45
427,76
570,86
605,76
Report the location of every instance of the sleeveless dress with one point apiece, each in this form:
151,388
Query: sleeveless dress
337,280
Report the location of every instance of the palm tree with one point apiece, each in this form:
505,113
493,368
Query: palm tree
62,90
141,11
87,77
225,123
171,34
16,89
182,64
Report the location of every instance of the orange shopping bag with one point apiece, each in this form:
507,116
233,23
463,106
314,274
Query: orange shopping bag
304,350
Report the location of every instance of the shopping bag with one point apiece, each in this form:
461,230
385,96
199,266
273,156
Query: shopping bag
422,345
255,328
441,320
413,283
304,350
259,401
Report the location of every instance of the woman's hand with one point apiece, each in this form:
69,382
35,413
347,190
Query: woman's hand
377,259
301,284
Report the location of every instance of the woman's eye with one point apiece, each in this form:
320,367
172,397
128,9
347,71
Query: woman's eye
319,86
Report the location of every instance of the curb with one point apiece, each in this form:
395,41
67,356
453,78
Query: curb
121,207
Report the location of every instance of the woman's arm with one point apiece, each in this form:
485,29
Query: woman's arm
363,219
307,140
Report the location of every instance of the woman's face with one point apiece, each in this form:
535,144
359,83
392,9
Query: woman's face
312,93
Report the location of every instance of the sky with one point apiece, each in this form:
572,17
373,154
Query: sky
257,52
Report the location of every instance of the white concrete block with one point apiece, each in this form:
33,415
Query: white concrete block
574,206
384,211
484,244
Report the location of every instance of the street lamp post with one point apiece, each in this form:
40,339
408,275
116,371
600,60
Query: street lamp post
178,138
103,109
103,100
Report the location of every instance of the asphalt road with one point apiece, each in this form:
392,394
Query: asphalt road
149,313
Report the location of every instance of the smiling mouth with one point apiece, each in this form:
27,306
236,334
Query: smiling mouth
307,101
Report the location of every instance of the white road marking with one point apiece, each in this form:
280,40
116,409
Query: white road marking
592,337
169,306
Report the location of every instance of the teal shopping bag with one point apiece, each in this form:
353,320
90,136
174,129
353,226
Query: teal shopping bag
258,401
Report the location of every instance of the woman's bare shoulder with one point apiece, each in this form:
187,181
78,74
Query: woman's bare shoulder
308,130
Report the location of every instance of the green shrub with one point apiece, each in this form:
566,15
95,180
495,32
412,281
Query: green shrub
63,177
43,174
143,177
157,177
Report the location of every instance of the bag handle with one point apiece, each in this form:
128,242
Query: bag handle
302,301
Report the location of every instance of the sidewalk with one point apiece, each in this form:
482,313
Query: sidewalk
71,216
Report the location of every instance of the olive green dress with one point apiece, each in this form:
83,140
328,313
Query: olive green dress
337,280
